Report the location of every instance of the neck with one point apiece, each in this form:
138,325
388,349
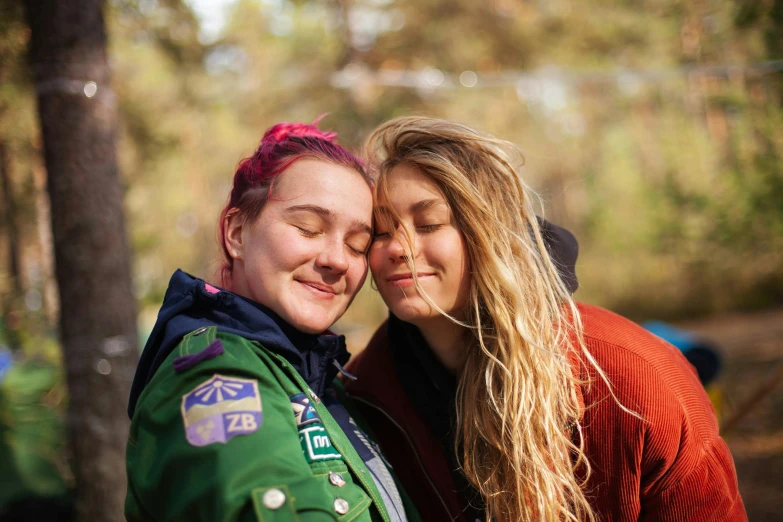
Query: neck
236,280
447,341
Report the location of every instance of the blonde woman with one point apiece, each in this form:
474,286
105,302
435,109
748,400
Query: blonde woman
493,394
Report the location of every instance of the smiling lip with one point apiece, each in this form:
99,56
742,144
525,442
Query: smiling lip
320,290
405,279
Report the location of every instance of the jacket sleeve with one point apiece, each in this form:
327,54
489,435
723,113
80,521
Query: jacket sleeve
708,493
194,459
687,471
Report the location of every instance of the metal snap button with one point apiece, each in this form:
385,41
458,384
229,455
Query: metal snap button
335,479
274,499
341,506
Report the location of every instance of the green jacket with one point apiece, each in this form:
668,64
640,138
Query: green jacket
228,439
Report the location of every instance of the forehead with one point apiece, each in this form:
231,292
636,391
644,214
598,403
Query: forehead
408,184
321,183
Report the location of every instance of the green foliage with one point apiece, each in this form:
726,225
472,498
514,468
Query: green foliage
32,441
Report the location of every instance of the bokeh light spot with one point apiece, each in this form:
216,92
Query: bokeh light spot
103,367
468,78
90,89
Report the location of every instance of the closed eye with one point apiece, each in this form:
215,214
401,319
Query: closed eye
357,252
428,228
359,247
305,232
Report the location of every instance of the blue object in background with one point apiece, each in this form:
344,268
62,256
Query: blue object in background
6,361
701,353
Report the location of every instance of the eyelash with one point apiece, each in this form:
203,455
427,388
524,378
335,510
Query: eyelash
310,233
426,229
307,233
429,228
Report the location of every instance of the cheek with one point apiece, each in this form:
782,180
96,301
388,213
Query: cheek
375,258
298,249
452,253
270,260
356,274
462,264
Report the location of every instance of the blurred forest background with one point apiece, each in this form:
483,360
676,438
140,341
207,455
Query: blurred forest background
652,128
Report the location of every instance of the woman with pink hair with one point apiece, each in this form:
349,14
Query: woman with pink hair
235,409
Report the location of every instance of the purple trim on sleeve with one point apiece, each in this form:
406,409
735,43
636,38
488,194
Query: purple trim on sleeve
186,362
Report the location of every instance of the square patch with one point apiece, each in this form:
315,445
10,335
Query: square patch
316,444
221,408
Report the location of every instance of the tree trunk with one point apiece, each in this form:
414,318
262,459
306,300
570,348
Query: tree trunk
9,202
43,224
10,302
97,312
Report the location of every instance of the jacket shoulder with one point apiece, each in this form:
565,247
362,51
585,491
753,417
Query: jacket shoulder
646,372
676,428
203,351
624,349
673,447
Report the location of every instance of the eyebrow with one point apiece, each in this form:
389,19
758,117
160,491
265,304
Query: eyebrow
417,207
325,213
425,204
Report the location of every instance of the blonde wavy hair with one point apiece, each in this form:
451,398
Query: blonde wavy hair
517,403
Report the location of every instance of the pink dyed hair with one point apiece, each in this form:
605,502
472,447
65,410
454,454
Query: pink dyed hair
281,146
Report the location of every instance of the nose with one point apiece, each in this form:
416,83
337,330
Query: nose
333,257
398,245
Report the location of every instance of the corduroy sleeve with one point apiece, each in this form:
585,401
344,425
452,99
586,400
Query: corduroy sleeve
687,470
708,493
664,460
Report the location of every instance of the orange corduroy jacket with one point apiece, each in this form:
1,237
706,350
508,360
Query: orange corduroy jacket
670,465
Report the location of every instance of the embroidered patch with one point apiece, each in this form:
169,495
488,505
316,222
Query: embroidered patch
221,408
316,444
304,413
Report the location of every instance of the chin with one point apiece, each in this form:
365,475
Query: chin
311,327
312,318
311,321
413,313
313,330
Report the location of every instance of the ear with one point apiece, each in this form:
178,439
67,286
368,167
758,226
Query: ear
233,224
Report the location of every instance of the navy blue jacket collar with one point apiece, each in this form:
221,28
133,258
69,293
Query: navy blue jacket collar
188,305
